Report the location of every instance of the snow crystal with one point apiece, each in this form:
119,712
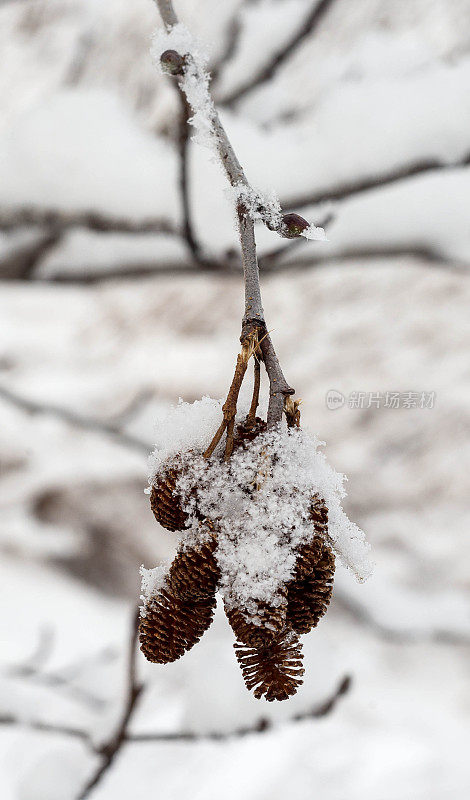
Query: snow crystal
260,205
194,82
183,427
153,581
259,501
315,233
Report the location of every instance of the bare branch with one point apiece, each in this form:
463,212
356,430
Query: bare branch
134,689
183,150
432,256
59,221
261,726
352,188
307,27
37,725
254,316
234,29
62,679
74,419
365,616
23,260
322,709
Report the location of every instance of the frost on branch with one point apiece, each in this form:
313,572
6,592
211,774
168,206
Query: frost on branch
178,53
194,78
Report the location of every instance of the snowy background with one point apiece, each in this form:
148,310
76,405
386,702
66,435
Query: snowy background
109,311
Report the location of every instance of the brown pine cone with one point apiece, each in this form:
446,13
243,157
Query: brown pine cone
310,552
272,622
165,502
246,433
170,627
319,515
308,598
275,670
194,573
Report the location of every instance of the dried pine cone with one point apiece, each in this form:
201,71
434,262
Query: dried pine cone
272,622
171,627
165,504
309,597
246,432
275,670
194,573
319,515
310,552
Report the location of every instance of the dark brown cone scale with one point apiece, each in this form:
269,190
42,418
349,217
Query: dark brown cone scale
274,671
272,622
165,504
194,573
171,627
246,433
310,552
308,598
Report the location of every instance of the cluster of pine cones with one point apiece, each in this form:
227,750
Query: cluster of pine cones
268,652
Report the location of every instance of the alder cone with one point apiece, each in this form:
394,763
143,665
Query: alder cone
165,504
171,627
274,671
272,621
319,515
309,553
194,573
308,597
246,433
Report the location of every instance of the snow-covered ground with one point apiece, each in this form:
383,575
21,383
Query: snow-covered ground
379,91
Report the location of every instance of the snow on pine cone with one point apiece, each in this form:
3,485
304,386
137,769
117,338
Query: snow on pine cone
268,549
274,670
165,500
246,431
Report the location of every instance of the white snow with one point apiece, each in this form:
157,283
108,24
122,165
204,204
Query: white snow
195,81
259,529
153,581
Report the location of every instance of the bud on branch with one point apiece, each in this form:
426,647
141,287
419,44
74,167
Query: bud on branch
293,225
172,63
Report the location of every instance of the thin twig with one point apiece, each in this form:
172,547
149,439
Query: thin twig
307,27
229,408
93,220
251,416
22,261
183,150
253,319
322,709
38,725
262,725
365,616
349,189
110,749
74,419
234,29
